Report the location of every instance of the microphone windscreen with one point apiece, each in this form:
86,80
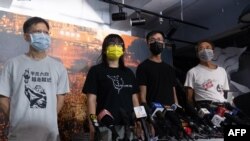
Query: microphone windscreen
160,117
191,111
106,118
107,121
234,119
147,108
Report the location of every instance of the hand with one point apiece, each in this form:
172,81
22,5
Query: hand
151,129
92,125
167,107
138,130
91,132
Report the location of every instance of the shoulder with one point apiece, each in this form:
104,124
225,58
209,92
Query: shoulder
57,64
54,60
221,69
194,69
96,68
142,63
14,60
167,65
128,70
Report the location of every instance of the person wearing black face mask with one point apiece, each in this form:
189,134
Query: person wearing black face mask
156,47
156,78
206,82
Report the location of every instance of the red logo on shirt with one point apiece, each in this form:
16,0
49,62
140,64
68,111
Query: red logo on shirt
208,84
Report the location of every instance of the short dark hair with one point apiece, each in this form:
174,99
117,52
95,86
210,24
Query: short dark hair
152,33
32,21
202,41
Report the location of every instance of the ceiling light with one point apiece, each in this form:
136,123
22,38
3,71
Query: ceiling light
137,21
120,15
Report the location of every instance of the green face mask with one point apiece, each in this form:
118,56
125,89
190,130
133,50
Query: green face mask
114,52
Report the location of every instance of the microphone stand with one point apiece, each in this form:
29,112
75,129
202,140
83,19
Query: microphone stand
97,135
145,129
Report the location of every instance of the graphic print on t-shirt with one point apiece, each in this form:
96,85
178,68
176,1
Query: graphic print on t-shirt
36,95
219,88
118,82
207,84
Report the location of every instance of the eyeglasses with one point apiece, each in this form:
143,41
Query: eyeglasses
155,40
115,43
40,31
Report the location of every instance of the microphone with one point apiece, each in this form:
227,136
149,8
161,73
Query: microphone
194,126
141,113
148,112
203,112
233,119
204,122
106,118
217,120
157,107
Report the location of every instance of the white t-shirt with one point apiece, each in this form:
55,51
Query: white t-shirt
32,87
208,84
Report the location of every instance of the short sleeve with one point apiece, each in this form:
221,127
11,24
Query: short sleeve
173,75
5,80
226,83
134,83
189,80
141,75
90,85
63,82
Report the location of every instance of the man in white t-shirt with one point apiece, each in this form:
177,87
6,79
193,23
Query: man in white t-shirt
32,87
206,82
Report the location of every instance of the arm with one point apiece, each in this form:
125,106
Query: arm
175,96
135,100
142,94
190,94
60,102
5,105
91,103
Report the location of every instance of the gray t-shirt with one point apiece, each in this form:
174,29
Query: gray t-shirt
32,87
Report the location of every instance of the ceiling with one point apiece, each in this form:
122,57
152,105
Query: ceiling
219,16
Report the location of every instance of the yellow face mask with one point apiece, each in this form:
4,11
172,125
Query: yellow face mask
114,52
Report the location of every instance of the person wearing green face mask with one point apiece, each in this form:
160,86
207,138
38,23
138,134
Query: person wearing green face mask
111,89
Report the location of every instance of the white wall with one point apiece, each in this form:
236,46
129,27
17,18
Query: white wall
88,13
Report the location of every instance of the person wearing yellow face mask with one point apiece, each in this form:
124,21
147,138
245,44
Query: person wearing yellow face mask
114,52
111,91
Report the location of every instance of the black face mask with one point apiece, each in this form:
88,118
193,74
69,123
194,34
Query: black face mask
156,48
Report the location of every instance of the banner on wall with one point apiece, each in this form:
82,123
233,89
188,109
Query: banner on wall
78,48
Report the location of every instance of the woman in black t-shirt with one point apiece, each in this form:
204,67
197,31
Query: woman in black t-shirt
111,88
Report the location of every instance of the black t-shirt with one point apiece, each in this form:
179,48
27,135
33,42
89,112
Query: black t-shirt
159,78
114,88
